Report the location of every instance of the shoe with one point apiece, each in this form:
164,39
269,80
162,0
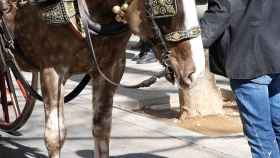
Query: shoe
148,57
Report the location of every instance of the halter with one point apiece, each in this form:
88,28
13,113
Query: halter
159,9
162,9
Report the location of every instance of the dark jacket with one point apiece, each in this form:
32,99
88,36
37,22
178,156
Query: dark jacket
243,37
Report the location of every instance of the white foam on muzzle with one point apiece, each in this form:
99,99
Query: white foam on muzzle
191,20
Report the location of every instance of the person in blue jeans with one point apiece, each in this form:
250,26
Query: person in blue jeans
243,37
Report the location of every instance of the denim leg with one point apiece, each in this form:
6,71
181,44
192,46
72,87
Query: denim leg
274,93
254,105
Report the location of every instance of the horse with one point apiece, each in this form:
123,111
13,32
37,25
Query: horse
57,51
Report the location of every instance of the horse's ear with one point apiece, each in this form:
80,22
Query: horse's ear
134,16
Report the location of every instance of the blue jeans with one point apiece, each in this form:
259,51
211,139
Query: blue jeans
259,105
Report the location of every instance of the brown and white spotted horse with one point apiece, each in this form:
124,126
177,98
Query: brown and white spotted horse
57,52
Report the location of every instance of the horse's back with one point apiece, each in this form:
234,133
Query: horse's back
59,46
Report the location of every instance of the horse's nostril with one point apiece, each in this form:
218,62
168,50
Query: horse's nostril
191,76
188,79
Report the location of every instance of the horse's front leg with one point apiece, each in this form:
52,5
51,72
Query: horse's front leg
103,93
52,90
102,117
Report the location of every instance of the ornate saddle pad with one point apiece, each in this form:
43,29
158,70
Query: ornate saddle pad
164,8
63,12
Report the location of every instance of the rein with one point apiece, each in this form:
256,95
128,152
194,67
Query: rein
165,57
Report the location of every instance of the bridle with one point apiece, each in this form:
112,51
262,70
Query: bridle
161,39
162,9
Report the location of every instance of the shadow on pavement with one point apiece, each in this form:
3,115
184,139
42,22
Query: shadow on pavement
90,154
18,150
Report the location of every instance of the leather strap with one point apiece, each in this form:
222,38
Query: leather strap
183,35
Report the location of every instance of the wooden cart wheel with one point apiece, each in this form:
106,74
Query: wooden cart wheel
16,101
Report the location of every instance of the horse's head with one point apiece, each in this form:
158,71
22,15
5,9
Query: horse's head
180,48
170,25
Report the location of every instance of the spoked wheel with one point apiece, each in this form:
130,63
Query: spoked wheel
16,101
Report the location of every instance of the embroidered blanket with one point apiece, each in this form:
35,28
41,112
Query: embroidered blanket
63,12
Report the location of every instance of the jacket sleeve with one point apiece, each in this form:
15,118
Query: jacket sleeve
214,21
